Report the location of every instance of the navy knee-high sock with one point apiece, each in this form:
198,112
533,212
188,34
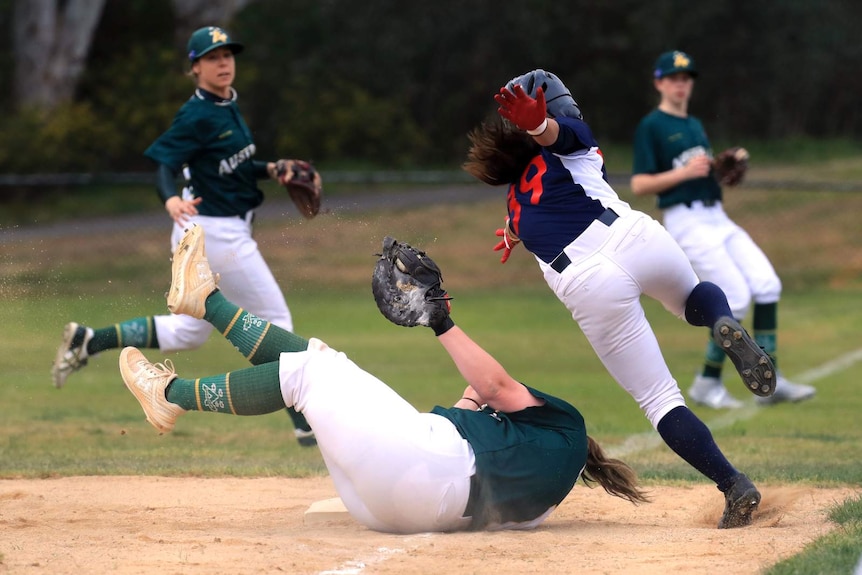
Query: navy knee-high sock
706,304
691,439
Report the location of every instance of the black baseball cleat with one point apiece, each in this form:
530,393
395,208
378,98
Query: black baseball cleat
754,365
305,437
740,501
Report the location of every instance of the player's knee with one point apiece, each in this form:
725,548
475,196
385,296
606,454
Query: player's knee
182,340
662,403
768,291
179,345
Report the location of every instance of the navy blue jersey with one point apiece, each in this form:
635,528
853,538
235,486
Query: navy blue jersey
561,192
510,448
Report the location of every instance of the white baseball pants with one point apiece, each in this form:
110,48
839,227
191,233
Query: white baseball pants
723,253
246,280
612,266
396,470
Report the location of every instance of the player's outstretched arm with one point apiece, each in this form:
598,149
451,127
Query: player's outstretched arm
490,381
407,287
646,184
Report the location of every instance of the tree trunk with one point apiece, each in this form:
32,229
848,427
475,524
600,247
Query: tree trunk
51,40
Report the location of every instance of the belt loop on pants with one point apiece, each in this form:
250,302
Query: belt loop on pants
705,203
562,261
472,507
248,217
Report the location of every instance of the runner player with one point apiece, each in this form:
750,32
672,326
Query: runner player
599,257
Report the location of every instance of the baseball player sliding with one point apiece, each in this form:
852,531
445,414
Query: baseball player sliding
673,159
503,457
211,144
599,256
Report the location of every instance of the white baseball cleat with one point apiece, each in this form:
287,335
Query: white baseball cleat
787,391
148,382
711,392
192,279
72,354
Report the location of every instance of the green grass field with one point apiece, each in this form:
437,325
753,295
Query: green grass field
94,427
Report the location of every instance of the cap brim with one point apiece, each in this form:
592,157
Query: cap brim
234,47
658,74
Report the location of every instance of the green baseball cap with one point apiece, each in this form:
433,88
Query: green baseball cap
674,62
209,38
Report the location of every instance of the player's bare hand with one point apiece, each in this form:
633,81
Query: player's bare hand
509,241
181,210
698,167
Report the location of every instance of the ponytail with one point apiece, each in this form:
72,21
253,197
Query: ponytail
615,476
499,152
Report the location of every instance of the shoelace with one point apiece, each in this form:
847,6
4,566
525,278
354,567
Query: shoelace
157,370
73,359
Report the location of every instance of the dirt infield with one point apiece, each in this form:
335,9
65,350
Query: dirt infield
129,525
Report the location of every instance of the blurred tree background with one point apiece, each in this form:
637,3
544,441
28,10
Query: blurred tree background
393,84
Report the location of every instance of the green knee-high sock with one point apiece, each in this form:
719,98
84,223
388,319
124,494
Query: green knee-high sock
251,391
765,324
713,359
258,340
139,332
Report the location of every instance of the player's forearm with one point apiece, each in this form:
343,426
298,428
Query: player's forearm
549,135
646,184
263,170
484,374
470,399
166,183
478,367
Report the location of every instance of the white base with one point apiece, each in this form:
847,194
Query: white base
327,511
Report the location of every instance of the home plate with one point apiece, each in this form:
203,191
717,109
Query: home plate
327,511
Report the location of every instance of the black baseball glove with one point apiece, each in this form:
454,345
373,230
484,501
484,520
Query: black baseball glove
303,183
406,287
730,166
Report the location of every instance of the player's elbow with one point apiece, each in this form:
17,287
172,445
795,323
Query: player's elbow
644,184
509,395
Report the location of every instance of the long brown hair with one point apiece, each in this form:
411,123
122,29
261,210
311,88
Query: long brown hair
615,476
499,152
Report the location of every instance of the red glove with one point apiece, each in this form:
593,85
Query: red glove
509,241
522,110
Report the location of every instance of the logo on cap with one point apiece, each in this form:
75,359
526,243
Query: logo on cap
680,60
218,35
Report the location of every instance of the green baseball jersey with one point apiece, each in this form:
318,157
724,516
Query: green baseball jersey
526,462
664,142
209,136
